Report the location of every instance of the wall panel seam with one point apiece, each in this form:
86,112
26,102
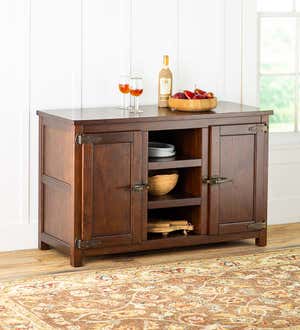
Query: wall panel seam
131,36
28,115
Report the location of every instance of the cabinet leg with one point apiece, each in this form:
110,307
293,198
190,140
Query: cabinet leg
76,258
44,246
262,239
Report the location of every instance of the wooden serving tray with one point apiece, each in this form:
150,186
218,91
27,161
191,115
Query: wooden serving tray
165,227
193,105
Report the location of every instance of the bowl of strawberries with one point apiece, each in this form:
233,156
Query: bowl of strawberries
198,100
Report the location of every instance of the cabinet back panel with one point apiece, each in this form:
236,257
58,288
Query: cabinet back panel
111,191
187,142
237,161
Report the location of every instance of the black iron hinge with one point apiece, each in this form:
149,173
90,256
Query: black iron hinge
94,243
257,226
84,139
259,128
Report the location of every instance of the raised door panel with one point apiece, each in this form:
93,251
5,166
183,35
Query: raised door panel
112,210
237,158
111,198
237,155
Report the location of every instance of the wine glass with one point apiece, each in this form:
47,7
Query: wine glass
124,89
136,90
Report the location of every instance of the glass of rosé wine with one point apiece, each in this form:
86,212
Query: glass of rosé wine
136,90
124,89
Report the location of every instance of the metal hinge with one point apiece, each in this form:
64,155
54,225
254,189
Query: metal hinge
257,226
259,128
94,243
79,139
84,139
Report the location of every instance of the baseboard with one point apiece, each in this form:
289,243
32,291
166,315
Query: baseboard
18,237
284,210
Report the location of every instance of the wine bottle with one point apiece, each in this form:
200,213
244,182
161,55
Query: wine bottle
165,84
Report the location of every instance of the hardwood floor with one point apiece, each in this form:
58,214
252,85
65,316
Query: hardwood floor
26,263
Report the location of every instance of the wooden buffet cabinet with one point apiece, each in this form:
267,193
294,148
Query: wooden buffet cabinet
94,170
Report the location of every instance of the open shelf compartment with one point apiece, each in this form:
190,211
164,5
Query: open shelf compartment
184,201
187,144
187,213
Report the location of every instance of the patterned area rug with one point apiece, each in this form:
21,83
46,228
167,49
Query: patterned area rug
248,292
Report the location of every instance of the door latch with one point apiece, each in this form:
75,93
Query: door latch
216,180
140,187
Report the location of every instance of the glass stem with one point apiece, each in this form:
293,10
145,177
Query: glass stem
124,101
136,103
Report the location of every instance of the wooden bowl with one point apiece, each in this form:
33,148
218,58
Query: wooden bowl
161,184
193,105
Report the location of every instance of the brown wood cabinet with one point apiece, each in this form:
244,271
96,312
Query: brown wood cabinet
94,172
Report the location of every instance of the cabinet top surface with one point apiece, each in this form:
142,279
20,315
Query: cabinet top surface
150,113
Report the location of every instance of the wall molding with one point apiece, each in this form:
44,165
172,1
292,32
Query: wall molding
26,120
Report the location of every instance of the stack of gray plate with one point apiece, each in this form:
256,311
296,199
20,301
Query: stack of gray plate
160,150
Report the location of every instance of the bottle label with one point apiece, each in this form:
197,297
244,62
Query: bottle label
165,86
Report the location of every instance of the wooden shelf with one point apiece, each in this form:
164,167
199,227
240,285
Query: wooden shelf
175,162
172,235
173,200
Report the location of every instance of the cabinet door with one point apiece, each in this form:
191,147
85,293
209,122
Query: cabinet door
112,209
237,182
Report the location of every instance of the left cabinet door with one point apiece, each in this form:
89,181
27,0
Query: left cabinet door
112,208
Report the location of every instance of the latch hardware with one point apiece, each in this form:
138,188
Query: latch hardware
94,243
257,226
259,128
140,187
216,180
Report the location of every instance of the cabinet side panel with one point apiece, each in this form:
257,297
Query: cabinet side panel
56,179
57,212
58,153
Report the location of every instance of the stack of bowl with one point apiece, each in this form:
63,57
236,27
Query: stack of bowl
161,150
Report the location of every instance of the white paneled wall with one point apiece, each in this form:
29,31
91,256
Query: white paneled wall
105,36
232,45
13,111
201,48
284,183
154,33
70,53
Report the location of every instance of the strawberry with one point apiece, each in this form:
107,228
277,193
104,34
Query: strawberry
210,95
199,97
199,91
189,94
179,96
